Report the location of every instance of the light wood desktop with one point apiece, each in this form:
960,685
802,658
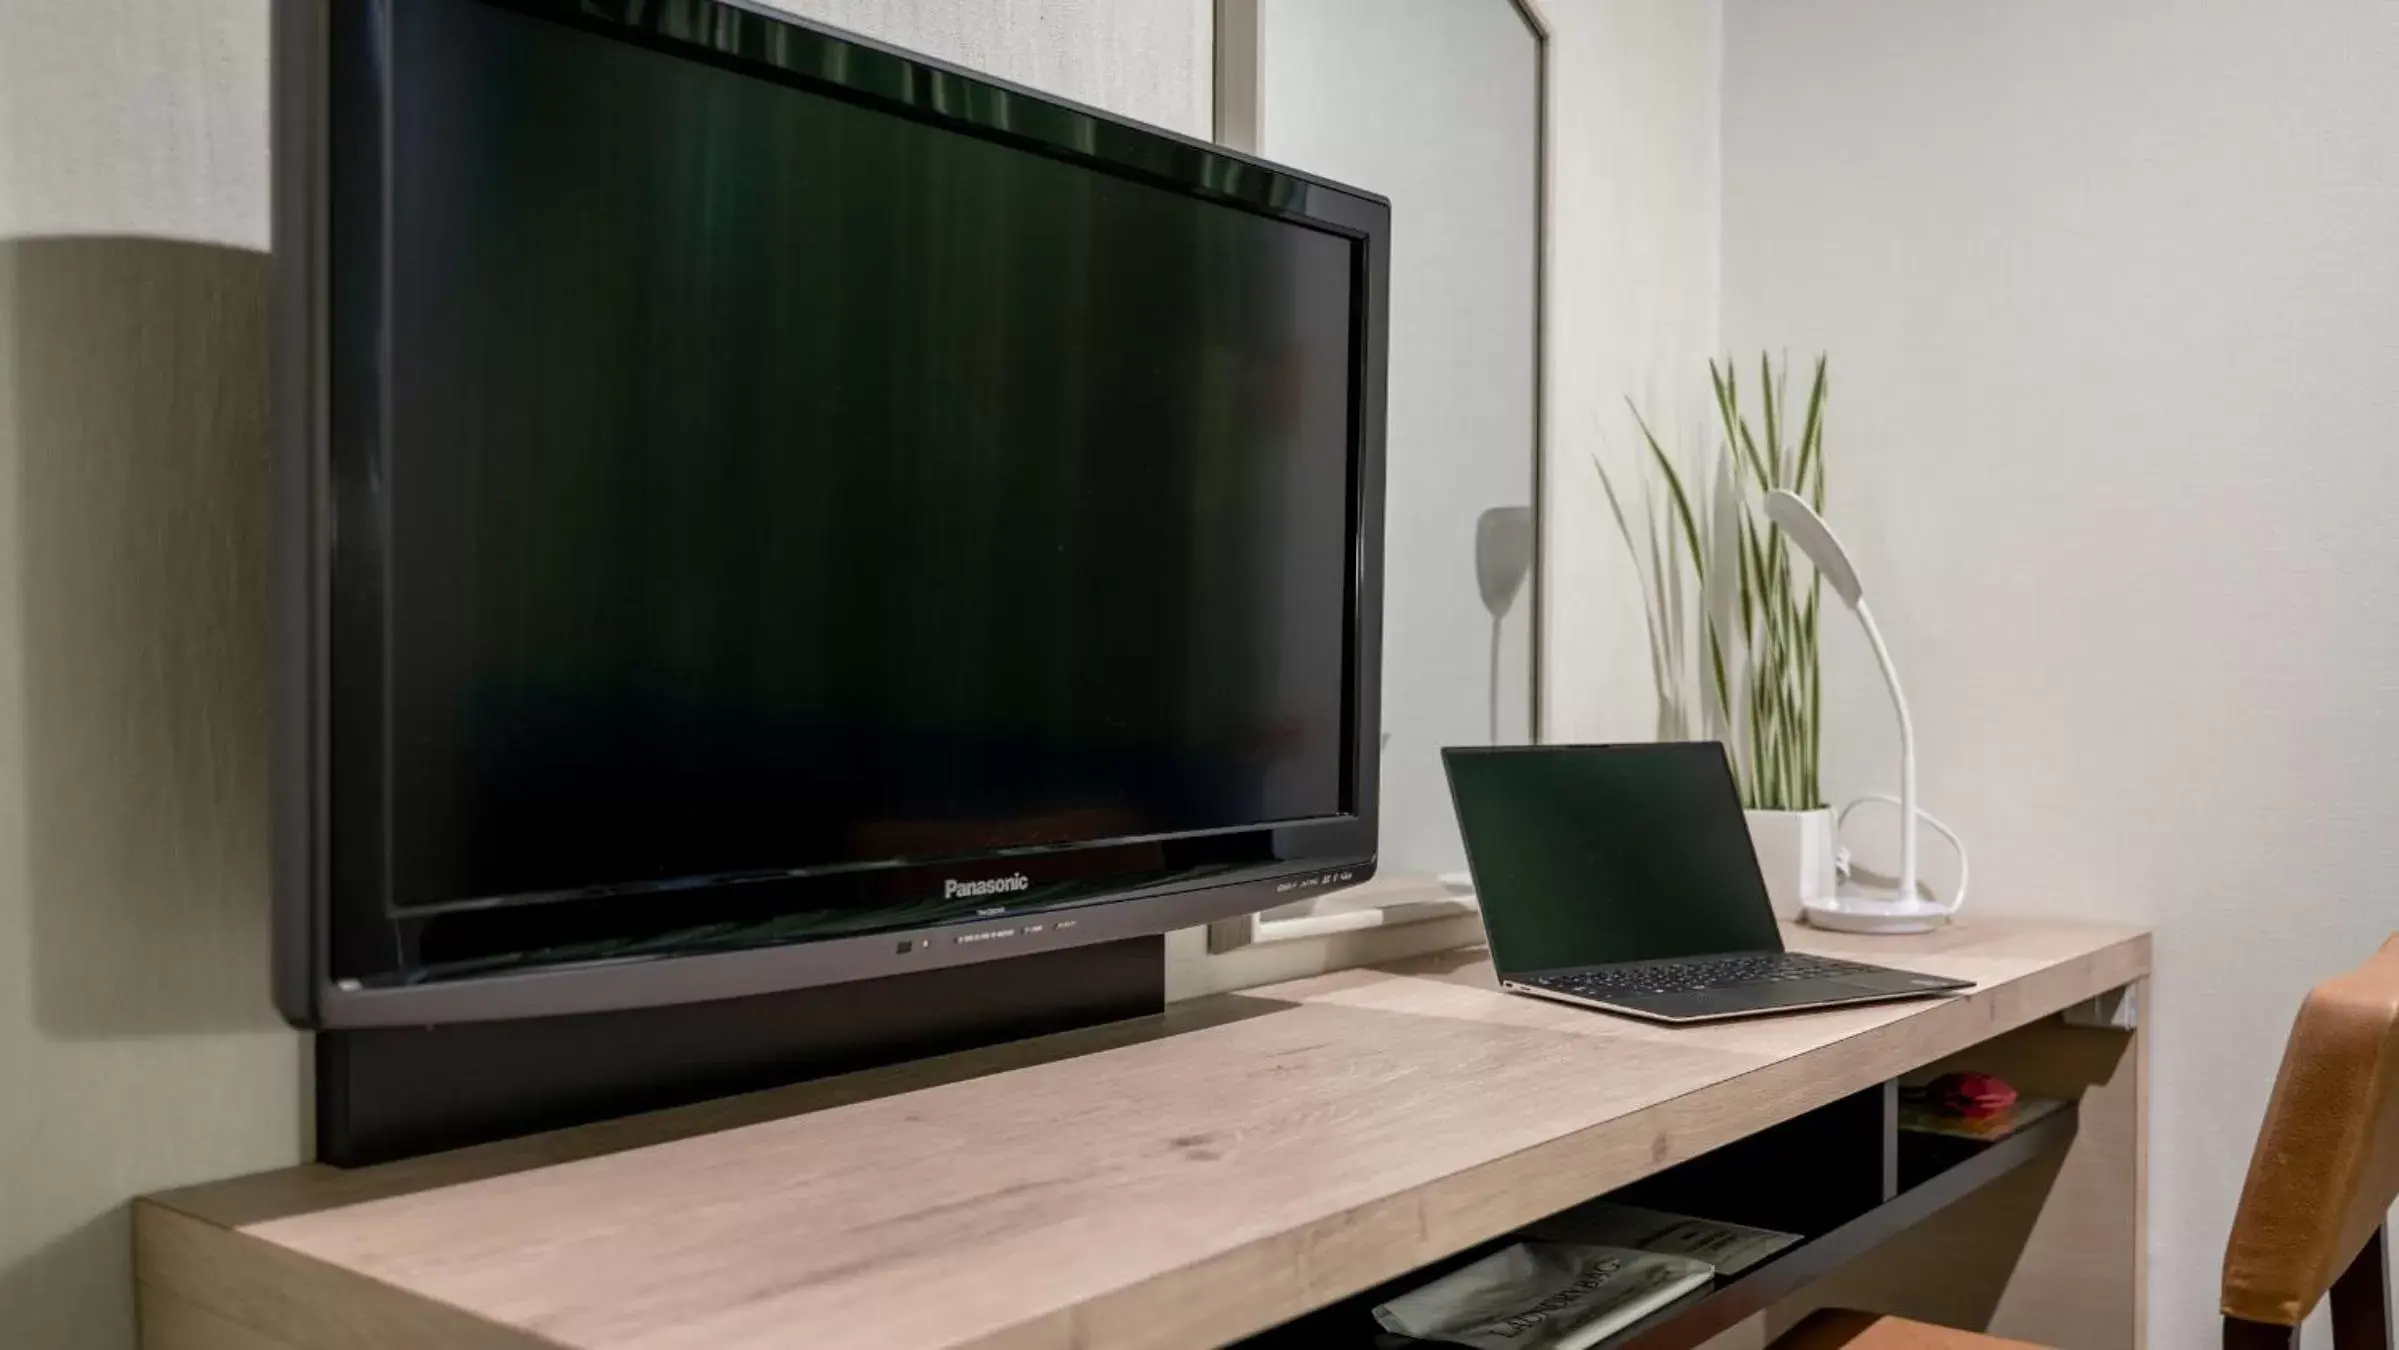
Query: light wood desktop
1184,1180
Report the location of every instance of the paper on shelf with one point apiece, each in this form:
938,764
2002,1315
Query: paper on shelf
1543,1296
1730,1247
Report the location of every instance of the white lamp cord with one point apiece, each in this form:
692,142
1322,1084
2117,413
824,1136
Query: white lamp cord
1841,858
1907,749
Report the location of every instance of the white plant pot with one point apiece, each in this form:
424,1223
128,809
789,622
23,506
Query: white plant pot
1795,851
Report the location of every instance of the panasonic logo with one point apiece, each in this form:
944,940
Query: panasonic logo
952,889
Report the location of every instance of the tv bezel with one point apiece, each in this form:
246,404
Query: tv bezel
1312,857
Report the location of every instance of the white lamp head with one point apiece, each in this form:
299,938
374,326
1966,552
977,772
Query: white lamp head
1817,540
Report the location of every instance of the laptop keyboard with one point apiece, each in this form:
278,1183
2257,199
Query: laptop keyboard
1706,972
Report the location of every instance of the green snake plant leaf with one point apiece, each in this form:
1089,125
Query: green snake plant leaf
1674,484
1745,624
1811,442
1659,666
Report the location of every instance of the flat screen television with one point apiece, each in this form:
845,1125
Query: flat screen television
761,509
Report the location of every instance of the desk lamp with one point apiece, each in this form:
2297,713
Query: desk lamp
1852,908
1503,558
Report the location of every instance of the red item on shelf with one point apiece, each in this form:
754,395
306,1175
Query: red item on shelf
1971,1095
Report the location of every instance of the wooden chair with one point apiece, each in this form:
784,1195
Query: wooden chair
2312,1212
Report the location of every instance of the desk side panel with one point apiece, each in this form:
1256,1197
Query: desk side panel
171,1322
211,1286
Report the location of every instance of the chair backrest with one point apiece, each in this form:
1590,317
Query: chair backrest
2327,1162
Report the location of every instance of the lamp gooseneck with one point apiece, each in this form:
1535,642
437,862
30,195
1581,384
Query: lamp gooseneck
1907,751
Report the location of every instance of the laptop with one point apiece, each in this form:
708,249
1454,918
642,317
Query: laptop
1621,877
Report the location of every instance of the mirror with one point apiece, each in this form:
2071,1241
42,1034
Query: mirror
1438,105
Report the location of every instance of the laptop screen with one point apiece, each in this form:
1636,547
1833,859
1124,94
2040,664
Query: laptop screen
1588,855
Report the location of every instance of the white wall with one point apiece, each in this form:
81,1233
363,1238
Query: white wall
1147,59
2113,304
137,1044
1633,295
138,1048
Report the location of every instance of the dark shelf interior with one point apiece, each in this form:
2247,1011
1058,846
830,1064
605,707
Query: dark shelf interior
1845,1178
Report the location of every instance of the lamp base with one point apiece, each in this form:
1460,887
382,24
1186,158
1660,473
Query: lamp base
1850,910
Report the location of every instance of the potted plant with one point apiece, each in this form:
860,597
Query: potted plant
1732,619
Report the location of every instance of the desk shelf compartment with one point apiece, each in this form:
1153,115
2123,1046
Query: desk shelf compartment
1845,1178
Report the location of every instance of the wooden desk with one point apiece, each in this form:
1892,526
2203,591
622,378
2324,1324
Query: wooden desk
1177,1181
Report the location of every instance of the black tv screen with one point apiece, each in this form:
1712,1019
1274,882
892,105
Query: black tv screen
765,494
